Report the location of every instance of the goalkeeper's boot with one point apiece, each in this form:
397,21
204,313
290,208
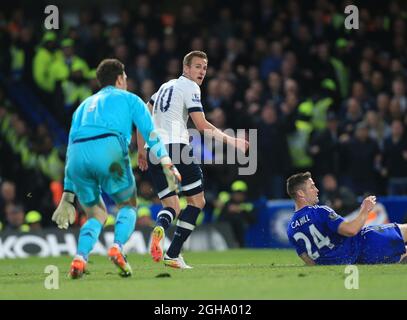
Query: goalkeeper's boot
177,263
155,248
78,267
119,259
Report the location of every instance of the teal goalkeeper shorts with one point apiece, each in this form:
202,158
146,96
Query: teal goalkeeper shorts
100,163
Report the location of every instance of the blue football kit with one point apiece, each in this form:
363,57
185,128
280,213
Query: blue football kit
314,230
99,138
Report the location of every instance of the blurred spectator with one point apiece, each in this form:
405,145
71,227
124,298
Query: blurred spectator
187,22
121,52
238,212
383,107
325,149
147,15
214,50
399,93
155,58
173,68
213,98
353,115
114,36
169,48
33,220
219,203
379,130
272,62
301,45
84,28
362,157
322,67
7,196
218,177
132,86
377,83
147,89
395,109
42,142
274,90
365,71
359,93
140,69
44,57
224,26
15,218
22,52
323,103
395,159
299,126
341,199
71,75
274,158
95,47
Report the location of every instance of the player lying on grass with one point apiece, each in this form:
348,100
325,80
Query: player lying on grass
97,159
320,236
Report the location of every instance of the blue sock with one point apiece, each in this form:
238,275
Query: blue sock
88,237
185,225
125,223
165,217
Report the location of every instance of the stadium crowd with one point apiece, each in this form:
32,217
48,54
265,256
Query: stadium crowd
323,98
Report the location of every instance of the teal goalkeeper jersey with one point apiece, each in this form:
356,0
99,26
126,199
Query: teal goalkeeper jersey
112,110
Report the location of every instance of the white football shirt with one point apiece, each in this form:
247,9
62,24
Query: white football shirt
172,104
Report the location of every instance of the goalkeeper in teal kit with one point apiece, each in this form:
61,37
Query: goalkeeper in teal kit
97,159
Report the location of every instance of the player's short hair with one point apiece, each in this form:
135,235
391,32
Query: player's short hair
108,71
188,58
295,182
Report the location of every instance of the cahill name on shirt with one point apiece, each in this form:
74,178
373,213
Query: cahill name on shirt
300,222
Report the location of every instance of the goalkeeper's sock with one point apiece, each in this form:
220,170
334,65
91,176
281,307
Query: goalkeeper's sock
185,225
165,217
125,223
88,237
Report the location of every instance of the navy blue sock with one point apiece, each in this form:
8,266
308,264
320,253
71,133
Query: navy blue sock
185,225
165,217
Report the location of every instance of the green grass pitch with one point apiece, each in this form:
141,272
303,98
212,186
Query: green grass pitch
234,274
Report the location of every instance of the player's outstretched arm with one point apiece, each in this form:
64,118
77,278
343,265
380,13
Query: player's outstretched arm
205,126
143,121
351,228
145,126
141,152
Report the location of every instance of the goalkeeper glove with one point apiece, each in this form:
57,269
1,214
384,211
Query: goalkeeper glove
64,215
171,174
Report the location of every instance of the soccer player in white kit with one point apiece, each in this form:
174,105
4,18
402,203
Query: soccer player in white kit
171,106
